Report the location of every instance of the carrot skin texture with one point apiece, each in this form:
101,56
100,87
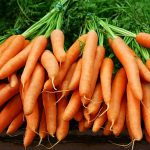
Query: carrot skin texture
79,115
148,63
107,131
129,64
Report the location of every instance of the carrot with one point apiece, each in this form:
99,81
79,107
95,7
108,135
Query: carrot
148,63
72,55
57,40
79,115
42,128
14,48
10,111
146,106
13,80
37,49
50,63
88,63
29,137
106,78
100,53
6,43
63,126
15,63
133,114
117,93
49,103
16,123
73,106
26,43
119,124
34,90
129,63
147,137
74,82
143,39
107,131
81,126
94,106
99,121
86,114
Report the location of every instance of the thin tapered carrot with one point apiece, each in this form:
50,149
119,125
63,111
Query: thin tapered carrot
13,49
100,53
107,131
49,103
86,114
63,126
16,123
57,41
72,55
118,89
73,106
146,106
106,79
147,137
34,90
50,63
148,63
10,111
119,124
143,39
74,82
15,63
79,115
37,49
13,80
81,126
100,120
6,43
129,63
88,63
97,98
42,128
134,115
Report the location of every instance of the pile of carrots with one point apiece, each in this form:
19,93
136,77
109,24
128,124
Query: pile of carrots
46,89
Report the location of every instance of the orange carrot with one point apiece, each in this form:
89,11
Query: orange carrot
133,114
106,78
81,126
13,80
129,63
57,40
73,106
147,137
143,39
117,93
107,131
49,103
10,111
79,115
88,63
16,123
72,55
34,90
26,43
63,126
86,114
74,82
37,49
148,63
14,48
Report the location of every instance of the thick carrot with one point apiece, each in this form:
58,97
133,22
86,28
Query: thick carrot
99,121
10,111
49,103
13,80
100,53
133,114
26,43
143,39
74,82
146,106
72,55
107,131
6,43
118,89
119,124
16,123
42,128
13,49
63,126
50,63
79,115
37,49
129,63
97,98
15,63
73,106
106,79
88,63
57,40
34,90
